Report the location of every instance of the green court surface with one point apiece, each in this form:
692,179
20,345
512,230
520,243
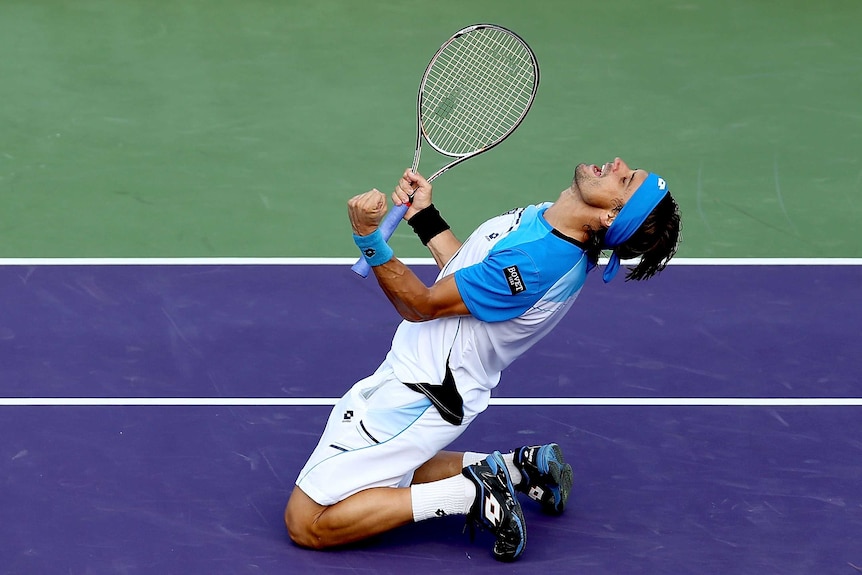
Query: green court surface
217,128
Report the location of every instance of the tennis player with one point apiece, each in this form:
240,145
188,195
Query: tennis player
380,462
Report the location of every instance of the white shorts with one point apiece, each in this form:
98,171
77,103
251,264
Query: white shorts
377,435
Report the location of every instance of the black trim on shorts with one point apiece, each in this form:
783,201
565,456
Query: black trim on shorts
371,437
445,397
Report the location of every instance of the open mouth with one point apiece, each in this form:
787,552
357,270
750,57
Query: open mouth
599,172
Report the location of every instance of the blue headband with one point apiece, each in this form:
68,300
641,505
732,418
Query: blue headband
631,217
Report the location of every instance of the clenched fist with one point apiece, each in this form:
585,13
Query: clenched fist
366,211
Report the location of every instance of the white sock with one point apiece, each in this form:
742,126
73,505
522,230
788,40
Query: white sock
452,496
471,457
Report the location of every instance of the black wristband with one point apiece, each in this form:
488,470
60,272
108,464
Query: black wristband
427,223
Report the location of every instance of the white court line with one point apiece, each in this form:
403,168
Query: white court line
408,261
506,401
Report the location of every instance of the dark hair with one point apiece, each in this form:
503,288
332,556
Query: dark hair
656,241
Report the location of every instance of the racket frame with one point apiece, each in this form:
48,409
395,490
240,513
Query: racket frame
395,215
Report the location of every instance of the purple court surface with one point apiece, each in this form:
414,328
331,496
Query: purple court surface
154,417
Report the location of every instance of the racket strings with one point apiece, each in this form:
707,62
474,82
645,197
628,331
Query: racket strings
514,87
491,72
491,109
477,90
486,89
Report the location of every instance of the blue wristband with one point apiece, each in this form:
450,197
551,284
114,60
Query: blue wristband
374,248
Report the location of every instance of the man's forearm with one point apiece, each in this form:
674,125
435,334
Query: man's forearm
434,232
443,246
415,301
404,289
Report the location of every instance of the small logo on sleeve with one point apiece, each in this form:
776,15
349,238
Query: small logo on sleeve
513,277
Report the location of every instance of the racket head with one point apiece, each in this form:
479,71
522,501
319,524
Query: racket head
476,90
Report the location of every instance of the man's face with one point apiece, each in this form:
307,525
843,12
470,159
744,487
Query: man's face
609,185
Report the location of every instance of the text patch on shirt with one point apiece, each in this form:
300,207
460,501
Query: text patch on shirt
513,278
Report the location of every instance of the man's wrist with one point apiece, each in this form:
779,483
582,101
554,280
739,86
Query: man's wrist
427,223
374,248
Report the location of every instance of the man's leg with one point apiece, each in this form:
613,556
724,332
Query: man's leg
364,514
358,517
444,464
484,492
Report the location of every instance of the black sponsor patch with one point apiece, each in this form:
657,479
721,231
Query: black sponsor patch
513,277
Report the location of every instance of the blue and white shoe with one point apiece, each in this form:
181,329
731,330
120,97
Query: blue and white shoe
496,507
547,478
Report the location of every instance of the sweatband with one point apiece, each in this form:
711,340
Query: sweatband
428,223
631,217
374,248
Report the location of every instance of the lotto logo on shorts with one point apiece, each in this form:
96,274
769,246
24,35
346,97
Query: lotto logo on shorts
513,278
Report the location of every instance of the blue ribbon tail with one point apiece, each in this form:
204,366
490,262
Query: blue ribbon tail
612,267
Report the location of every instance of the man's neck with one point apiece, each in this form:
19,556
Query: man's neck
571,216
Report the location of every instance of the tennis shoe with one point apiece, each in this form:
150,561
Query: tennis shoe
547,478
496,507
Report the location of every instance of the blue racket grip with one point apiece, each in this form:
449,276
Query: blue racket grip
387,228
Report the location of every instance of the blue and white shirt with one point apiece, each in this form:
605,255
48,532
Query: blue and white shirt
518,277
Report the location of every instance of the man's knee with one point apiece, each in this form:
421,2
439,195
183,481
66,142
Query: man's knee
300,517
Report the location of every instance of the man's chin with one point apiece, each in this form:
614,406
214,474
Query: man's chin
580,173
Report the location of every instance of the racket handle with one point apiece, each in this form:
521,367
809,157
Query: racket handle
387,228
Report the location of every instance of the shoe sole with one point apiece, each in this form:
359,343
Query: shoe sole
518,514
561,474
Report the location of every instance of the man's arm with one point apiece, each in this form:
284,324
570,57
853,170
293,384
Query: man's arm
413,300
442,246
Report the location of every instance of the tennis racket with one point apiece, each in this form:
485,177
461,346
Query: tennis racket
476,90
